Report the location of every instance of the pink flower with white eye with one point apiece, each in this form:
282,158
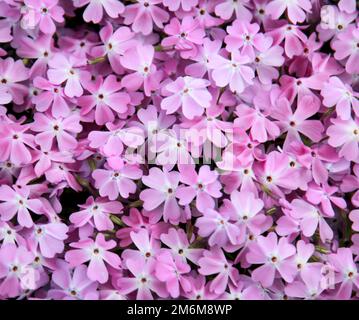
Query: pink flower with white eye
234,72
189,93
245,208
140,60
274,256
61,129
267,57
347,272
49,238
185,36
309,218
297,122
143,14
97,252
204,12
111,183
171,270
325,196
15,264
44,13
163,186
214,262
148,247
177,241
73,284
105,97
244,36
61,172
110,143
63,69
15,143
226,8
203,186
51,97
345,134
17,201
41,49
296,9
96,212
346,47
341,96
45,159
301,259
203,57
144,280
11,73
261,128
94,10
219,228
174,5
114,45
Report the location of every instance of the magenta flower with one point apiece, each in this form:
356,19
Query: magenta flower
94,10
97,252
171,270
96,212
61,129
105,98
44,13
144,14
140,60
274,256
17,201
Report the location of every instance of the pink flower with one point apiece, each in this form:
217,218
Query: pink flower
49,238
97,252
336,93
94,11
345,134
43,12
96,212
188,92
174,5
15,265
11,73
67,69
185,36
296,9
346,47
144,280
354,217
17,201
203,186
111,183
105,98
140,60
226,8
214,262
274,256
59,129
163,186
143,14
73,284
233,72
171,270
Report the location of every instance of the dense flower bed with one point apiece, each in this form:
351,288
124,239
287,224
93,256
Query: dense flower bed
191,149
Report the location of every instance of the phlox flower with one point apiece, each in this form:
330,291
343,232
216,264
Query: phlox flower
274,256
44,13
351,183
61,129
174,5
143,14
105,97
97,252
17,201
94,10
96,212
296,9
214,262
140,60
226,8
172,270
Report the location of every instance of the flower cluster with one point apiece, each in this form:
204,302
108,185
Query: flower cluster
188,149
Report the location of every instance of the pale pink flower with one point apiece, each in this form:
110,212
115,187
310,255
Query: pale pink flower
94,11
296,9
